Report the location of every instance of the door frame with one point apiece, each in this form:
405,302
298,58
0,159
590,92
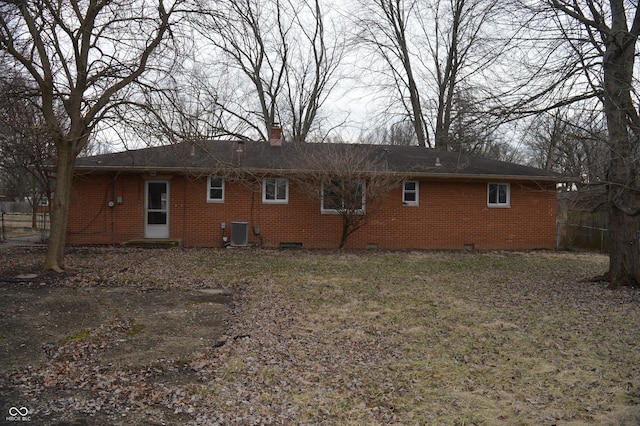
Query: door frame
156,231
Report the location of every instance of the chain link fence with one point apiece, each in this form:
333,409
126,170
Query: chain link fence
584,230
577,236
20,226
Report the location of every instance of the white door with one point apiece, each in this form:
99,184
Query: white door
156,217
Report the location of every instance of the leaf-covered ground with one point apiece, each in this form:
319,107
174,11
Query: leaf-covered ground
320,337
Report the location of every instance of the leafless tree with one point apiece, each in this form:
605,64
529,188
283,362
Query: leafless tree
282,49
384,27
603,37
569,142
237,32
400,133
431,51
311,72
472,131
81,55
467,38
26,151
349,180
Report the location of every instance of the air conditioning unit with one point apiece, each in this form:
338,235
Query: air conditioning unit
239,234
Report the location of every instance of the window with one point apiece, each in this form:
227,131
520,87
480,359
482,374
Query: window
275,190
410,193
338,196
498,195
215,189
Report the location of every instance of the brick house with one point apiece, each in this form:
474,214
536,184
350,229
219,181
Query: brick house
218,193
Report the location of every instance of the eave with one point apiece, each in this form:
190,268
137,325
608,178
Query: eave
410,175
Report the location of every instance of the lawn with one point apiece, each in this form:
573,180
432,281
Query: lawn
362,338
436,338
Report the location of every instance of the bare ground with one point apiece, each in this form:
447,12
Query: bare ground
92,346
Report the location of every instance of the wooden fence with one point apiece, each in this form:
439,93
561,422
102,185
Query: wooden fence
15,207
584,230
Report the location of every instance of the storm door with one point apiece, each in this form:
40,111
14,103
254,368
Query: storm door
156,222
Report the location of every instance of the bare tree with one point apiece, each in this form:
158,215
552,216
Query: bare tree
604,36
182,108
400,133
349,180
81,55
26,151
570,142
472,131
455,33
282,50
246,34
430,51
310,73
383,26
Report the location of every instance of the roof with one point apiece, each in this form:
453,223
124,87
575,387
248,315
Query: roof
261,156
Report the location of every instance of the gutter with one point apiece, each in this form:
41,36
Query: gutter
430,175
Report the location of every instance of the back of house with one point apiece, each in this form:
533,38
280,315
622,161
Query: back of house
246,193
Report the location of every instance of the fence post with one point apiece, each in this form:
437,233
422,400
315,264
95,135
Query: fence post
43,234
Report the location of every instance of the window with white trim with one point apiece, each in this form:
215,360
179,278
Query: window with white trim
215,189
339,196
410,193
498,195
275,190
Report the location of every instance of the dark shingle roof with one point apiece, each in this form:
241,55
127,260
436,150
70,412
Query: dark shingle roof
214,155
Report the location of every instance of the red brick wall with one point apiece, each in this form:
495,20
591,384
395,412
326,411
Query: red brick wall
92,221
450,215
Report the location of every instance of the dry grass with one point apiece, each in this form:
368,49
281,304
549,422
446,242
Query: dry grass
435,338
439,338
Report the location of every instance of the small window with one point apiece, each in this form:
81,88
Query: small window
410,193
339,196
498,195
215,189
275,190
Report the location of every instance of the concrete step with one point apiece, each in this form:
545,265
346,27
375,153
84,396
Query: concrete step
153,242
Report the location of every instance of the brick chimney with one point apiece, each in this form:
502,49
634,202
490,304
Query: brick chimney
275,139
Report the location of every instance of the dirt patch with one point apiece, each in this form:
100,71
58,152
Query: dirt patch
65,337
162,324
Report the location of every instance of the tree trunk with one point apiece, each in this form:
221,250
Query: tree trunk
624,262
418,122
54,259
34,215
345,232
624,256
442,130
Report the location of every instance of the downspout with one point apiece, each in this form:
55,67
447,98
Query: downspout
184,211
252,217
111,205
